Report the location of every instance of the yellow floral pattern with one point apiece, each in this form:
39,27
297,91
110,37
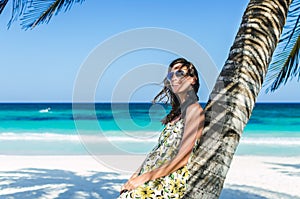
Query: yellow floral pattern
172,185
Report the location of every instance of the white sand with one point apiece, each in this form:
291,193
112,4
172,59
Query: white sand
87,177
263,177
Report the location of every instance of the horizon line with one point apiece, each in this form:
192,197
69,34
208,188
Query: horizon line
107,102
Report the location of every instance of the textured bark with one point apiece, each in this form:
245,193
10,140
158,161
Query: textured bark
232,100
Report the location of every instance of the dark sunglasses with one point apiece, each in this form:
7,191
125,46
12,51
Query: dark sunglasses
178,73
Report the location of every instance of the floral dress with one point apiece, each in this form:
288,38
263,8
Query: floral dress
172,185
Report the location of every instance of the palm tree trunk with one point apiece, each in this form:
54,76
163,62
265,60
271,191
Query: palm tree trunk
232,100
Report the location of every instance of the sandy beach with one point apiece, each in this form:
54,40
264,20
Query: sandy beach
257,177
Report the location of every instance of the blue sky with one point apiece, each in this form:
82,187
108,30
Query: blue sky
41,65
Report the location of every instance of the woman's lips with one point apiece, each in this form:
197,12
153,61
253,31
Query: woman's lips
175,86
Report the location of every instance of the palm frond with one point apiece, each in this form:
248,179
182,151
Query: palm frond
285,61
2,5
40,11
34,12
18,8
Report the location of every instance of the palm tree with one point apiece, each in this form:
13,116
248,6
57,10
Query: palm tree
233,98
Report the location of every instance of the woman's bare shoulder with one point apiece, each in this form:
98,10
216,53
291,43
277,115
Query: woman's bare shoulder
194,112
195,107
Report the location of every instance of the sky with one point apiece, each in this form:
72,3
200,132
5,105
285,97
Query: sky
43,64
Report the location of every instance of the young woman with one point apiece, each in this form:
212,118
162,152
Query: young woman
164,172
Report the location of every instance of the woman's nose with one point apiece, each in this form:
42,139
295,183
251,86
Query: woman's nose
174,77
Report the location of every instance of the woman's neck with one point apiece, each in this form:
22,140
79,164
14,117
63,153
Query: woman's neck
182,97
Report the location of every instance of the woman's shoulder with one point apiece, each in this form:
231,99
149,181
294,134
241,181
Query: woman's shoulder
194,106
194,111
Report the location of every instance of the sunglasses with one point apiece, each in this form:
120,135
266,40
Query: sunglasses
178,73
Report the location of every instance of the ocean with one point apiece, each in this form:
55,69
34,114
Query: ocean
104,128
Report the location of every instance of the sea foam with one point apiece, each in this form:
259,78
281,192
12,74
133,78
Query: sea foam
133,137
9,136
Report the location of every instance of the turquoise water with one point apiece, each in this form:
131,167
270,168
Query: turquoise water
60,129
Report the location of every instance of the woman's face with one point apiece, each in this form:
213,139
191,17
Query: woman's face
179,84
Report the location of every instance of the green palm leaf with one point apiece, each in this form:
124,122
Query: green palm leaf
35,12
18,8
40,11
2,5
285,61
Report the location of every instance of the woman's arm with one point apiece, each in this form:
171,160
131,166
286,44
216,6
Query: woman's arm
194,122
134,175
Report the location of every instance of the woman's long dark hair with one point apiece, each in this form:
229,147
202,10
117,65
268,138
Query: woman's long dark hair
166,92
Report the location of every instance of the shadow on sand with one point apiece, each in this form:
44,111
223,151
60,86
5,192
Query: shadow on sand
251,192
288,169
45,183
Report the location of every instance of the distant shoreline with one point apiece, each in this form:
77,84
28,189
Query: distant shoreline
125,103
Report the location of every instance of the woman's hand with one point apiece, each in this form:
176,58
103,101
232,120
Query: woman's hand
133,183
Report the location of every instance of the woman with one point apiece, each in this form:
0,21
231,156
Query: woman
164,173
